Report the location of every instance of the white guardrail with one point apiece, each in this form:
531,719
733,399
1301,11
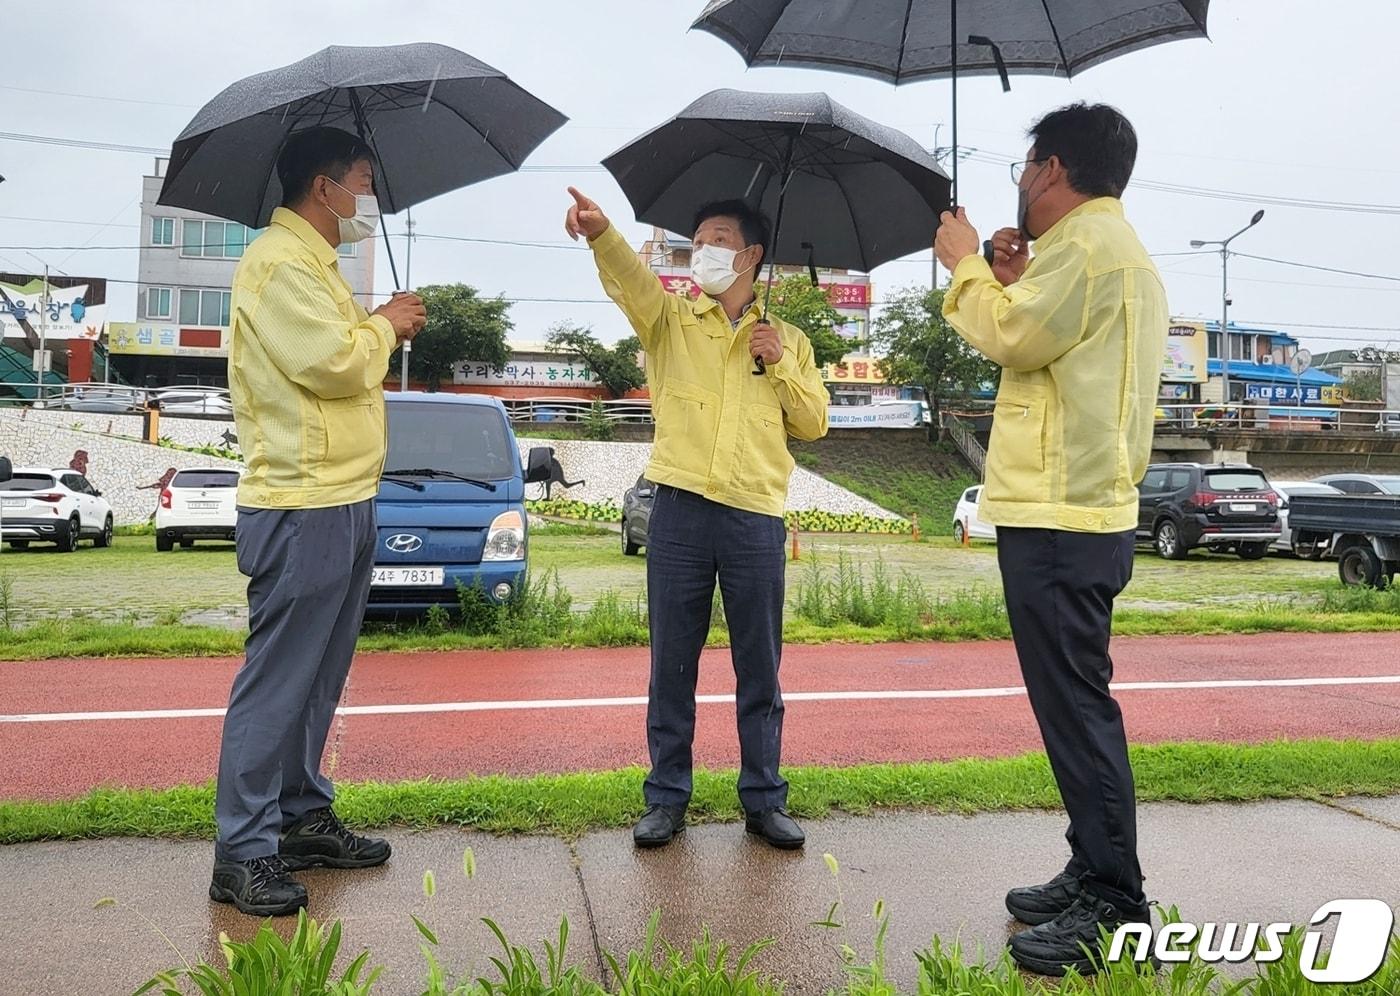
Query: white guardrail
214,402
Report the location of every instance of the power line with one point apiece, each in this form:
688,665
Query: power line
58,221
75,143
980,156
1315,266
1002,159
96,96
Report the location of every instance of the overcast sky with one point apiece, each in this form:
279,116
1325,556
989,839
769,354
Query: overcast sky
1287,100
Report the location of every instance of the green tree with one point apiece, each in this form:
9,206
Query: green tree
920,349
1363,385
616,367
462,325
798,303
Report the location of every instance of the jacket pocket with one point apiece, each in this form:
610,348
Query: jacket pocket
764,466
352,429
686,426
1017,460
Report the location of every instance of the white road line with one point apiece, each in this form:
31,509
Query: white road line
522,705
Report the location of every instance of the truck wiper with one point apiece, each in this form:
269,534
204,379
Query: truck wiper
446,474
414,485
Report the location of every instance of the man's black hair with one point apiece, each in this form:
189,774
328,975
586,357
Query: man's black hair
753,224
317,152
1096,144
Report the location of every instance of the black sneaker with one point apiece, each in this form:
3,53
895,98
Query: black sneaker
659,826
776,827
320,839
260,887
1037,904
1072,938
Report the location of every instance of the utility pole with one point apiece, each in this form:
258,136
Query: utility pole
43,363
408,285
1225,302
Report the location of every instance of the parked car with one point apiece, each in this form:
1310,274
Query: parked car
451,504
113,400
193,401
197,504
636,516
1362,484
1287,491
1222,507
1388,422
53,506
6,472
966,524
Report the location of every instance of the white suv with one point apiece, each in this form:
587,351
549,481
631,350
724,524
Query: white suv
53,506
201,503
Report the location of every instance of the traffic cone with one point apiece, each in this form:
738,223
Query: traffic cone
967,536
915,519
796,546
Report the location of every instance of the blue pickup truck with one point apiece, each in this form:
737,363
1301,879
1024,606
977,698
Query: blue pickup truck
451,503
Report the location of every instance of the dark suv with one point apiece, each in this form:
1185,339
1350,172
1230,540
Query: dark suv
1186,505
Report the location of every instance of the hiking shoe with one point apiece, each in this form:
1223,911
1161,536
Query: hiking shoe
319,839
258,887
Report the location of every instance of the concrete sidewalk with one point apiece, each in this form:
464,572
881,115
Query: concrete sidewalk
938,875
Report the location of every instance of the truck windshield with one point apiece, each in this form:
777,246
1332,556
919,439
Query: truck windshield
465,440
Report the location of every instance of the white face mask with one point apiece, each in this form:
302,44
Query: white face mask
712,268
363,222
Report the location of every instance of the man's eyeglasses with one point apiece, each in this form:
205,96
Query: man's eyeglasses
1018,170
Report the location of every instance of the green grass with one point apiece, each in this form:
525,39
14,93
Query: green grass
571,804
839,604
130,601
905,474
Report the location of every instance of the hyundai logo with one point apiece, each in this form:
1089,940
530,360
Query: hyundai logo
404,543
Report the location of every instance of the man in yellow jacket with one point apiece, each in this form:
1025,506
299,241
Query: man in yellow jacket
1080,332
721,465
306,372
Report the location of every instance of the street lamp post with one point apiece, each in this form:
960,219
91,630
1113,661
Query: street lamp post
1225,300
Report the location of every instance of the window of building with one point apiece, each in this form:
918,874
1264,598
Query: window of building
216,239
205,307
162,231
157,302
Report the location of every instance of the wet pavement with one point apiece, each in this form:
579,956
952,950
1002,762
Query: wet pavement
938,875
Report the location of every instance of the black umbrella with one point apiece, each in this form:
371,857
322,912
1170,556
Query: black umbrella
435,118
860,194
906,40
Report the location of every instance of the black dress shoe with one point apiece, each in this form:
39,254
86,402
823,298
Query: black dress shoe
1052,948
658,825
320,839
1037,904
777,828
259,887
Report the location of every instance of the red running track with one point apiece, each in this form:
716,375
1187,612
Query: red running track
50,759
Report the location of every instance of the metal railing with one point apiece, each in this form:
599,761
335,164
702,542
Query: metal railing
1264,418
635,411
120,399
964,437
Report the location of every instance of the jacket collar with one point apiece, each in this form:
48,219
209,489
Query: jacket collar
301,228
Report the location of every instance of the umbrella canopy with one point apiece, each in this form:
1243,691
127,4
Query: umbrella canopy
436,118
906,40
843,190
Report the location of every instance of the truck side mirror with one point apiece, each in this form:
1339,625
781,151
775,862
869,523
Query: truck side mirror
537,465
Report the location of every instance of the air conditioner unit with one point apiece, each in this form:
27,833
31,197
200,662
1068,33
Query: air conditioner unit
1267,360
